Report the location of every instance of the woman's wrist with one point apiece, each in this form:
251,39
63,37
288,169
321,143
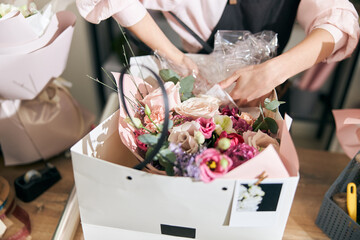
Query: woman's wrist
277,70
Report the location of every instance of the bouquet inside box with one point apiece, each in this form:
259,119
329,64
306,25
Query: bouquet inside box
218,156
202,137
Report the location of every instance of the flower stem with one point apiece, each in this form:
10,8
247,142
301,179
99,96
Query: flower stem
154,123
146,129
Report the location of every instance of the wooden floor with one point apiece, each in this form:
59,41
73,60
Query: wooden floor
318,170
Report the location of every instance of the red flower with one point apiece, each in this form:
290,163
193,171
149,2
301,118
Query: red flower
235,139
140,144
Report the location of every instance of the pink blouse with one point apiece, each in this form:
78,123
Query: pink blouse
338,17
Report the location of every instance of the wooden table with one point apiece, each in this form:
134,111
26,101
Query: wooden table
318,170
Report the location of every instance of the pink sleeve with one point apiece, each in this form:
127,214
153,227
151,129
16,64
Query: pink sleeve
126,12
339,17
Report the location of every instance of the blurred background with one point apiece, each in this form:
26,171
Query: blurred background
96,46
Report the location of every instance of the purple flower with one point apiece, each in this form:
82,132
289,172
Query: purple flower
241,153
240,125
185,164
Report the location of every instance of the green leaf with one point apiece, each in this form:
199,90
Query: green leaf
149,150
168,155
271,125
171,123
169,75
272,105
149,139
185,96
187,84
257,123
169,169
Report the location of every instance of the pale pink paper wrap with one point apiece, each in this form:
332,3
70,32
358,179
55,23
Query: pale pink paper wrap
41,128
24,75
126,131
275,166
348,130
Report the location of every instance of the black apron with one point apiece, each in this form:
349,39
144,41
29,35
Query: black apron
256,16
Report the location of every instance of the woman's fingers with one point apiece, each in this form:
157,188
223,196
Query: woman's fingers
227,82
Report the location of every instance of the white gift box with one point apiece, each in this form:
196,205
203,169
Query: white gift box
119,202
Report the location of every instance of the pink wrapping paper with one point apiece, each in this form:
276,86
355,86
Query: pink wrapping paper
42,127
268,160
348,130
52,30
17,30
24,76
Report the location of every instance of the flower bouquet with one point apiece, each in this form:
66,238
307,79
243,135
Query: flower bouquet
34,102
33,37
204,139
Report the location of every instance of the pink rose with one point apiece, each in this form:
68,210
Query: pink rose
212,164
155,98
235,139
207,126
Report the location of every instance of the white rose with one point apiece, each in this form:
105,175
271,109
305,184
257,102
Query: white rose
203,106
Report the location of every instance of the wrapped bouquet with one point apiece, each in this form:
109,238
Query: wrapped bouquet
34,38
180,134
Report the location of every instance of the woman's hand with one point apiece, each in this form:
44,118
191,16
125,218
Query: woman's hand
182,64
253,83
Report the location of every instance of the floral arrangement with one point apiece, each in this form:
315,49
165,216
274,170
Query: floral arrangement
205,138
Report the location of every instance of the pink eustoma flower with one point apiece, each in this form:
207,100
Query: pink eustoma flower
207,126
212,164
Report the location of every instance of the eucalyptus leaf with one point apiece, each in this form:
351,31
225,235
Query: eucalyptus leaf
187,84
168,155
185,96
169,170
149,139
271,125
169,75
272,105
148,152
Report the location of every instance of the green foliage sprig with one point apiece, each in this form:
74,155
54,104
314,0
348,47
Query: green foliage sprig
186,83
266,123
